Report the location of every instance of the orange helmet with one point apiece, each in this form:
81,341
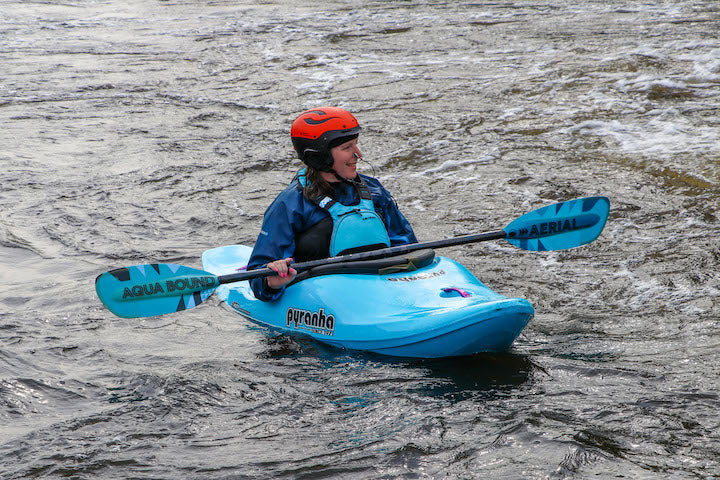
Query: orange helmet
314,132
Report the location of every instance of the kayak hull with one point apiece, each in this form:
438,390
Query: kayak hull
438,310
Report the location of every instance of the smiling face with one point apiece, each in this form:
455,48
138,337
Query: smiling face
345,157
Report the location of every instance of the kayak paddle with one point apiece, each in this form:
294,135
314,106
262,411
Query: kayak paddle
159,288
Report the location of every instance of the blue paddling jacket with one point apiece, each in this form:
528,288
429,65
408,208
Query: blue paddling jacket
291,214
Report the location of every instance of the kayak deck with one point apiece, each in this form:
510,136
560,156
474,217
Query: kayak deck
437,310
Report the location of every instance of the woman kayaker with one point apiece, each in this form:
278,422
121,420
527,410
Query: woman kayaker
328,209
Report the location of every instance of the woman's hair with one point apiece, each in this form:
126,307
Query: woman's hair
316,187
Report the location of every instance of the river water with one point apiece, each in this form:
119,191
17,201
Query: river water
149,131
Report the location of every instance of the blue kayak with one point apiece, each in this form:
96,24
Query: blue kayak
417,305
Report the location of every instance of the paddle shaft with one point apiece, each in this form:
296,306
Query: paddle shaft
156,289
354,257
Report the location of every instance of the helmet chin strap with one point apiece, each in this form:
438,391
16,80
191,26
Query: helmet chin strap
343,179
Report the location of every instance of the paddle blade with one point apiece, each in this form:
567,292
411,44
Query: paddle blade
560,226
149,290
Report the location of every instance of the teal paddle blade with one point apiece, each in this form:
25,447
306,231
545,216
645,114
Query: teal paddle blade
156,289
560,226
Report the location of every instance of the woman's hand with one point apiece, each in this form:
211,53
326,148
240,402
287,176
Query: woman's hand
285,273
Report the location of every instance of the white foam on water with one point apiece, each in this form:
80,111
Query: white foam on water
511,112
647,291
660,135
417,205
651,103
645,83
706,69
450,165
705,57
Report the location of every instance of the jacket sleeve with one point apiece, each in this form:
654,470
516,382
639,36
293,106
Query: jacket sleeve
399,229
275,241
